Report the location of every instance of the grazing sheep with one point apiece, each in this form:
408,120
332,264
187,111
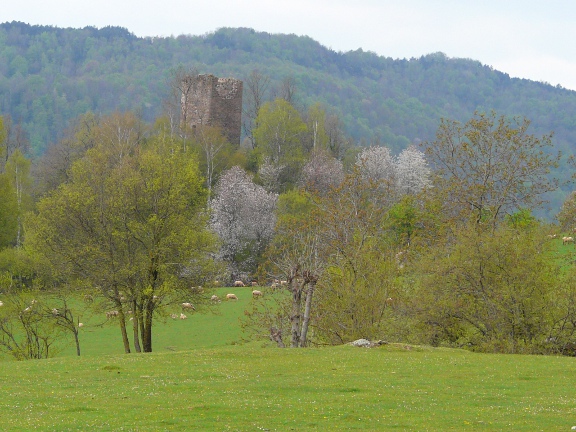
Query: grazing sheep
254,283
174,316
188,306
215,298
182,316
256,293
55,312
111,314
1,303
567,240
239,284
80,325
231,297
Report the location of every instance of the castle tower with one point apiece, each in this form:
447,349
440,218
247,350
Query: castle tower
209,100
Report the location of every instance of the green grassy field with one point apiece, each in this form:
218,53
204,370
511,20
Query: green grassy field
201,378
216,327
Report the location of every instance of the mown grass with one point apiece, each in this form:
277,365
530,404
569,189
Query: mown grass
200,378
250,388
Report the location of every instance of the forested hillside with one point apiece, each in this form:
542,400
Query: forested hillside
50,75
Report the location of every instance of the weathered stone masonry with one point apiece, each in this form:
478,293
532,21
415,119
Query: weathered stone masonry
209,100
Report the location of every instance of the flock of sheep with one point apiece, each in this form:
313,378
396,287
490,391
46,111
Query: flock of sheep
185,306
190,307
566,239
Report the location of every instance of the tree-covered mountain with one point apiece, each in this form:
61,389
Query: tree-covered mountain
50,75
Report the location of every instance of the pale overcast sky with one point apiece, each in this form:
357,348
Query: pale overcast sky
524,38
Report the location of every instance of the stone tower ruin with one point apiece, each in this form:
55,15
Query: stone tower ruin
209,100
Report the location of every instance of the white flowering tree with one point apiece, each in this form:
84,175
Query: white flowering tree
270,174
376,163
322,172
243,217
412,171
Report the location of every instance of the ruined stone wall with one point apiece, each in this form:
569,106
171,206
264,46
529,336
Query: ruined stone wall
213,101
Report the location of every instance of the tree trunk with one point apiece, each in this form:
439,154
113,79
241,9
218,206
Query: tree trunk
77,340
122,320
136,319
307,309
295,317
276,336
147,335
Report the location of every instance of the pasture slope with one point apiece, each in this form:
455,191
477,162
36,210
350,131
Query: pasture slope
201,379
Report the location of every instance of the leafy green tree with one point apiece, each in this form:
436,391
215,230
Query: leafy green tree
279,136
361,268
8,212
18,170
130,223
567,214
491,166
492,290
316,125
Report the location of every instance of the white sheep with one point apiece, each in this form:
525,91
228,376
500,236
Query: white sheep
182,316
111,314
80,325
567,240
188,306
174,316
239,283
215,298
231,297
256,293
1,303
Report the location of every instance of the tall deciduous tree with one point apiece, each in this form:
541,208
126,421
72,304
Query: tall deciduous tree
18,171
129,223
243,217
8,212
376,163
53,168
322,172
280,132
412,171
256,87
215,152
491,166
494,291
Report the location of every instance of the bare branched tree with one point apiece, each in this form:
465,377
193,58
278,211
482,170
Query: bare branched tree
256,88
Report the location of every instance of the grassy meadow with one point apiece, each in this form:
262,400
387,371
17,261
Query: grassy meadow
201,377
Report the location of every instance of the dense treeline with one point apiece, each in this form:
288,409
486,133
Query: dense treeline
137,221
49,76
